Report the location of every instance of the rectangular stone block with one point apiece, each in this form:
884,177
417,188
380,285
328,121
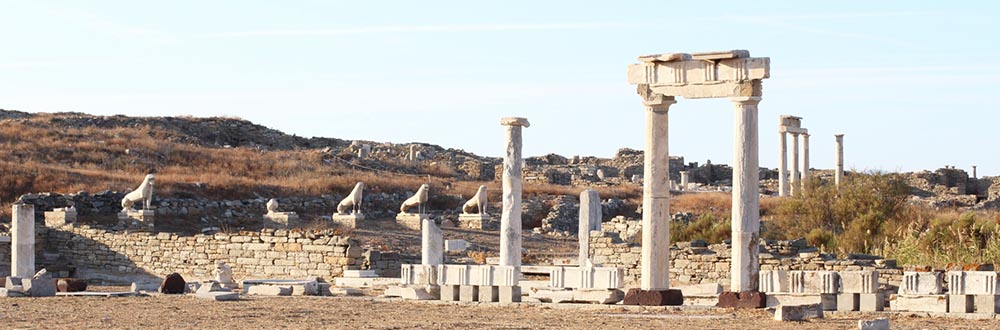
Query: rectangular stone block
848,302
40,287
418,274
348,220
859,281
450,293
986,304
919,303
813,282
454,274
775,281
798,312
468,293
960,303
876,324
921,283
603,278
973,282
871,302
489,294
510,294
828,301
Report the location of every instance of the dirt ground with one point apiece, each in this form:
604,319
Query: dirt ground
188,312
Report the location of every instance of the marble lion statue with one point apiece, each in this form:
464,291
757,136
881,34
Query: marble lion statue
418,199
144,193
352,201
272,205
478,202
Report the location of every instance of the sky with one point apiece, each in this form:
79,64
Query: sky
913,85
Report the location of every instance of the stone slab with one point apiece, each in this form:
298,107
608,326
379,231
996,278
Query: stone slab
455,245
299,287
477,221
707,289
559,295
95,294
449,293
268,290
489,294
731,299
468,293
43,286
365,282
218,295
828,301
797,312
409,293
669,297
352,273
345,292
510,294
919,303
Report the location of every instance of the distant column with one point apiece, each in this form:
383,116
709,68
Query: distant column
745,265
684,180
794,180
22,244
590,219
783,167
510,218
655,259
839,175
974,176
805,161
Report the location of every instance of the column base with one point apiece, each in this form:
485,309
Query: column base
640,297
749,300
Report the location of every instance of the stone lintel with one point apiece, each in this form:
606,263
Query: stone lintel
721,55
514,121
793,130
699,72
790,121
716,90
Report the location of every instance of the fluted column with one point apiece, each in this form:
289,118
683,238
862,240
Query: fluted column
805,160
655,262
783,167
510,218
838,176
746,197
794,180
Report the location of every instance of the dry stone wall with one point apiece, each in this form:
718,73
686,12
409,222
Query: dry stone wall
280,254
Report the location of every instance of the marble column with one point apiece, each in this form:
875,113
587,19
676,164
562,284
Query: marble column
783,167
684,180
655,261
590,219
974,176
805,161
510,218
793,183
838,176
432,244
746,197
22,244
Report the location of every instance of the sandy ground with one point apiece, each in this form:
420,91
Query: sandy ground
187,312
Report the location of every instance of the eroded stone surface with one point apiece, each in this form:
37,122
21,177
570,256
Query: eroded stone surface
654,297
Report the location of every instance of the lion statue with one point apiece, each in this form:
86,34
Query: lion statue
478,202
418,199
144,193
352,201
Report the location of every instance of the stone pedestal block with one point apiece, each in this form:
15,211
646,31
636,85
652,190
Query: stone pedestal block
921,283
489,294
872,302
748,299
933,303
669,297
859,281
449,293
139,220
411,220
848,302
510,294
59,218
960,303
477,221
348,220
281,219
986,304
468,293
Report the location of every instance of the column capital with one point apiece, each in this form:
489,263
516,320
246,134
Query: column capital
744,101
839,136
514,121
654,101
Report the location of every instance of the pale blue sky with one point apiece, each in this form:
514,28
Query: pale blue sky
912,84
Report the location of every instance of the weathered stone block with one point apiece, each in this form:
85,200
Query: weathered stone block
510,294
871,302
450,293
813,282
848,302
773,281
986,304
921,283
489,294
468,293
797,312
669,297
960,303
919,303
865,281
876,324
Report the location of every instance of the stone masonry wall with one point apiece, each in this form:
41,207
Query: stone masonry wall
697,262
269,253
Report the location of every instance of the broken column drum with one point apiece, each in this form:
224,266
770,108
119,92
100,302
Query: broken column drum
660,78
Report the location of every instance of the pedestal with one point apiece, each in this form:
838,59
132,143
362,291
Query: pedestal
348,220
411,220
746,299
55,219
477,221
669,297
281,219
138,219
